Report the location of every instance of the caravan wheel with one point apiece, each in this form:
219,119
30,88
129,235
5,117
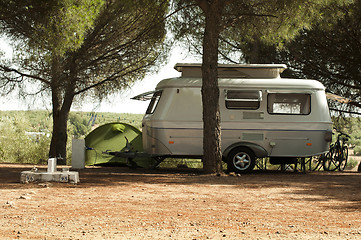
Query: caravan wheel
241,160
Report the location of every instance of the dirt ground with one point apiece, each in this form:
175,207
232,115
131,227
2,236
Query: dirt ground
119,203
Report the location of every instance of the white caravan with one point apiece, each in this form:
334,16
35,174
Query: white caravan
262,115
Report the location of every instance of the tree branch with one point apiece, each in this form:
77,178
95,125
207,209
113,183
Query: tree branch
110,78
8,70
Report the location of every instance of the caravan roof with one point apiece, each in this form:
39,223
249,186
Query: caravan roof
239,75
234,70
280,83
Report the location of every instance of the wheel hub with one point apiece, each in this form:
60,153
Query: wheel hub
241,161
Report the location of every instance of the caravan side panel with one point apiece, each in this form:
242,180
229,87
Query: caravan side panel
175,126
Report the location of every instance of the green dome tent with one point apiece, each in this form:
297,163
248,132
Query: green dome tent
113,137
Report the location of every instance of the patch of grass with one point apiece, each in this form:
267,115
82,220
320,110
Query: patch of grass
351,163
181,163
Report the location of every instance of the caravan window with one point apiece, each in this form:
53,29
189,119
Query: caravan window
154,102
289,103
243,99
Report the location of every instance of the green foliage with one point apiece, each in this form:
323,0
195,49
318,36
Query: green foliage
78,126
351,163
330,52
181,163
299,17
64,27
19,144
353,128
245,23
357,149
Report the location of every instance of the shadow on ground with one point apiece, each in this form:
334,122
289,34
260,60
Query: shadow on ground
339,186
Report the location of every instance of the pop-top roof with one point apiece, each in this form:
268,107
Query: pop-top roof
234,70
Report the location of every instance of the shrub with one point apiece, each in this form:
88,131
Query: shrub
20,146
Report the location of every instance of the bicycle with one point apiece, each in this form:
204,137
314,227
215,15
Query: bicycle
336,158
316,163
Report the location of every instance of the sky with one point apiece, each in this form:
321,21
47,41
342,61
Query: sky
120,103
123,104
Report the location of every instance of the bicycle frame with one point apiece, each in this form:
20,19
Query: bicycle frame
336,158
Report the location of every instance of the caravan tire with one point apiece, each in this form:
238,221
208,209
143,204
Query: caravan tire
241,160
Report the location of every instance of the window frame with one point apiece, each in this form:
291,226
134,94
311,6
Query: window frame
154,101
257,99
300,113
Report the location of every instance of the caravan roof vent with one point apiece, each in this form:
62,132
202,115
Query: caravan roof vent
234,70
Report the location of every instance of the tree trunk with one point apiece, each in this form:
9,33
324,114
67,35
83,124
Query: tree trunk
62,93
59,137
61,109
212,155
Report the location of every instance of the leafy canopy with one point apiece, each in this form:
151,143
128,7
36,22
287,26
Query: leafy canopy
329,52
51,26
103,45
244,22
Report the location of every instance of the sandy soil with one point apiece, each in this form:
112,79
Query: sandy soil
119,203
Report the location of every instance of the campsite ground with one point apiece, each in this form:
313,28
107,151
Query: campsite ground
119,203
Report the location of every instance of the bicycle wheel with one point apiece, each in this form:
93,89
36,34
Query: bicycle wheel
343,158
330,163
316,162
